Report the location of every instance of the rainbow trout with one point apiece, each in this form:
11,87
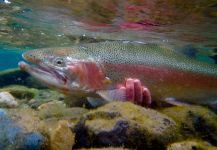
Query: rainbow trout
97,69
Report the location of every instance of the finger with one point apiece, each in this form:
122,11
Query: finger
146,97
130,90
138,90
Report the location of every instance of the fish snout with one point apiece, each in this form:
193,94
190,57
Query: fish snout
30,56
22,65
25,56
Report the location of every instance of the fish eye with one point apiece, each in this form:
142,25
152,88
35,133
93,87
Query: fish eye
59,62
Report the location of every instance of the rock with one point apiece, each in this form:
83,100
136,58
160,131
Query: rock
27,130
62,137
108,148
31,96
191,145
3,20
194,122
32,141
7,100
16,8
57,134
14,136
26,118
51,109
57,109
214,14
9,131
125,124
45,96
21,92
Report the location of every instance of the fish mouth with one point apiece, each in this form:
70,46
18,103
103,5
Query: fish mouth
44,73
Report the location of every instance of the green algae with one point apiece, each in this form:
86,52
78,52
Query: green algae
21,92
123,123
194,122
58,110
191,145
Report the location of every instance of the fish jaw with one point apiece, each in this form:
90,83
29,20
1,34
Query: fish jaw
53,78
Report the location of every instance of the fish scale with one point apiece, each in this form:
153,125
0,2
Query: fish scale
146,54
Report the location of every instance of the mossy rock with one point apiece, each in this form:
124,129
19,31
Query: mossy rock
125,124
108,148
61,137
58,133
44,96
32,96
21,92
195,122
191,145
57,109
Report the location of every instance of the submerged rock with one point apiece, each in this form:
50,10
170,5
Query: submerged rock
21,92
7,100
31,96
3,20
107,148
194,122
32,141
53,109
45,96
125,124
14,136
58,109
26,118
62,138
56,132
191,145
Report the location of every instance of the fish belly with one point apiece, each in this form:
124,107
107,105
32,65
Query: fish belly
165,83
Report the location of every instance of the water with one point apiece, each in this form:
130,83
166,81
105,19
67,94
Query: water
26,24
189,27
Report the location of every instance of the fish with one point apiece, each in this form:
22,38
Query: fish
98,70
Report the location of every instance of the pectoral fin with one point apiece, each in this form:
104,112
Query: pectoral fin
113,95
95,102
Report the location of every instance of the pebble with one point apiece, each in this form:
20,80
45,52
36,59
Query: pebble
7,100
